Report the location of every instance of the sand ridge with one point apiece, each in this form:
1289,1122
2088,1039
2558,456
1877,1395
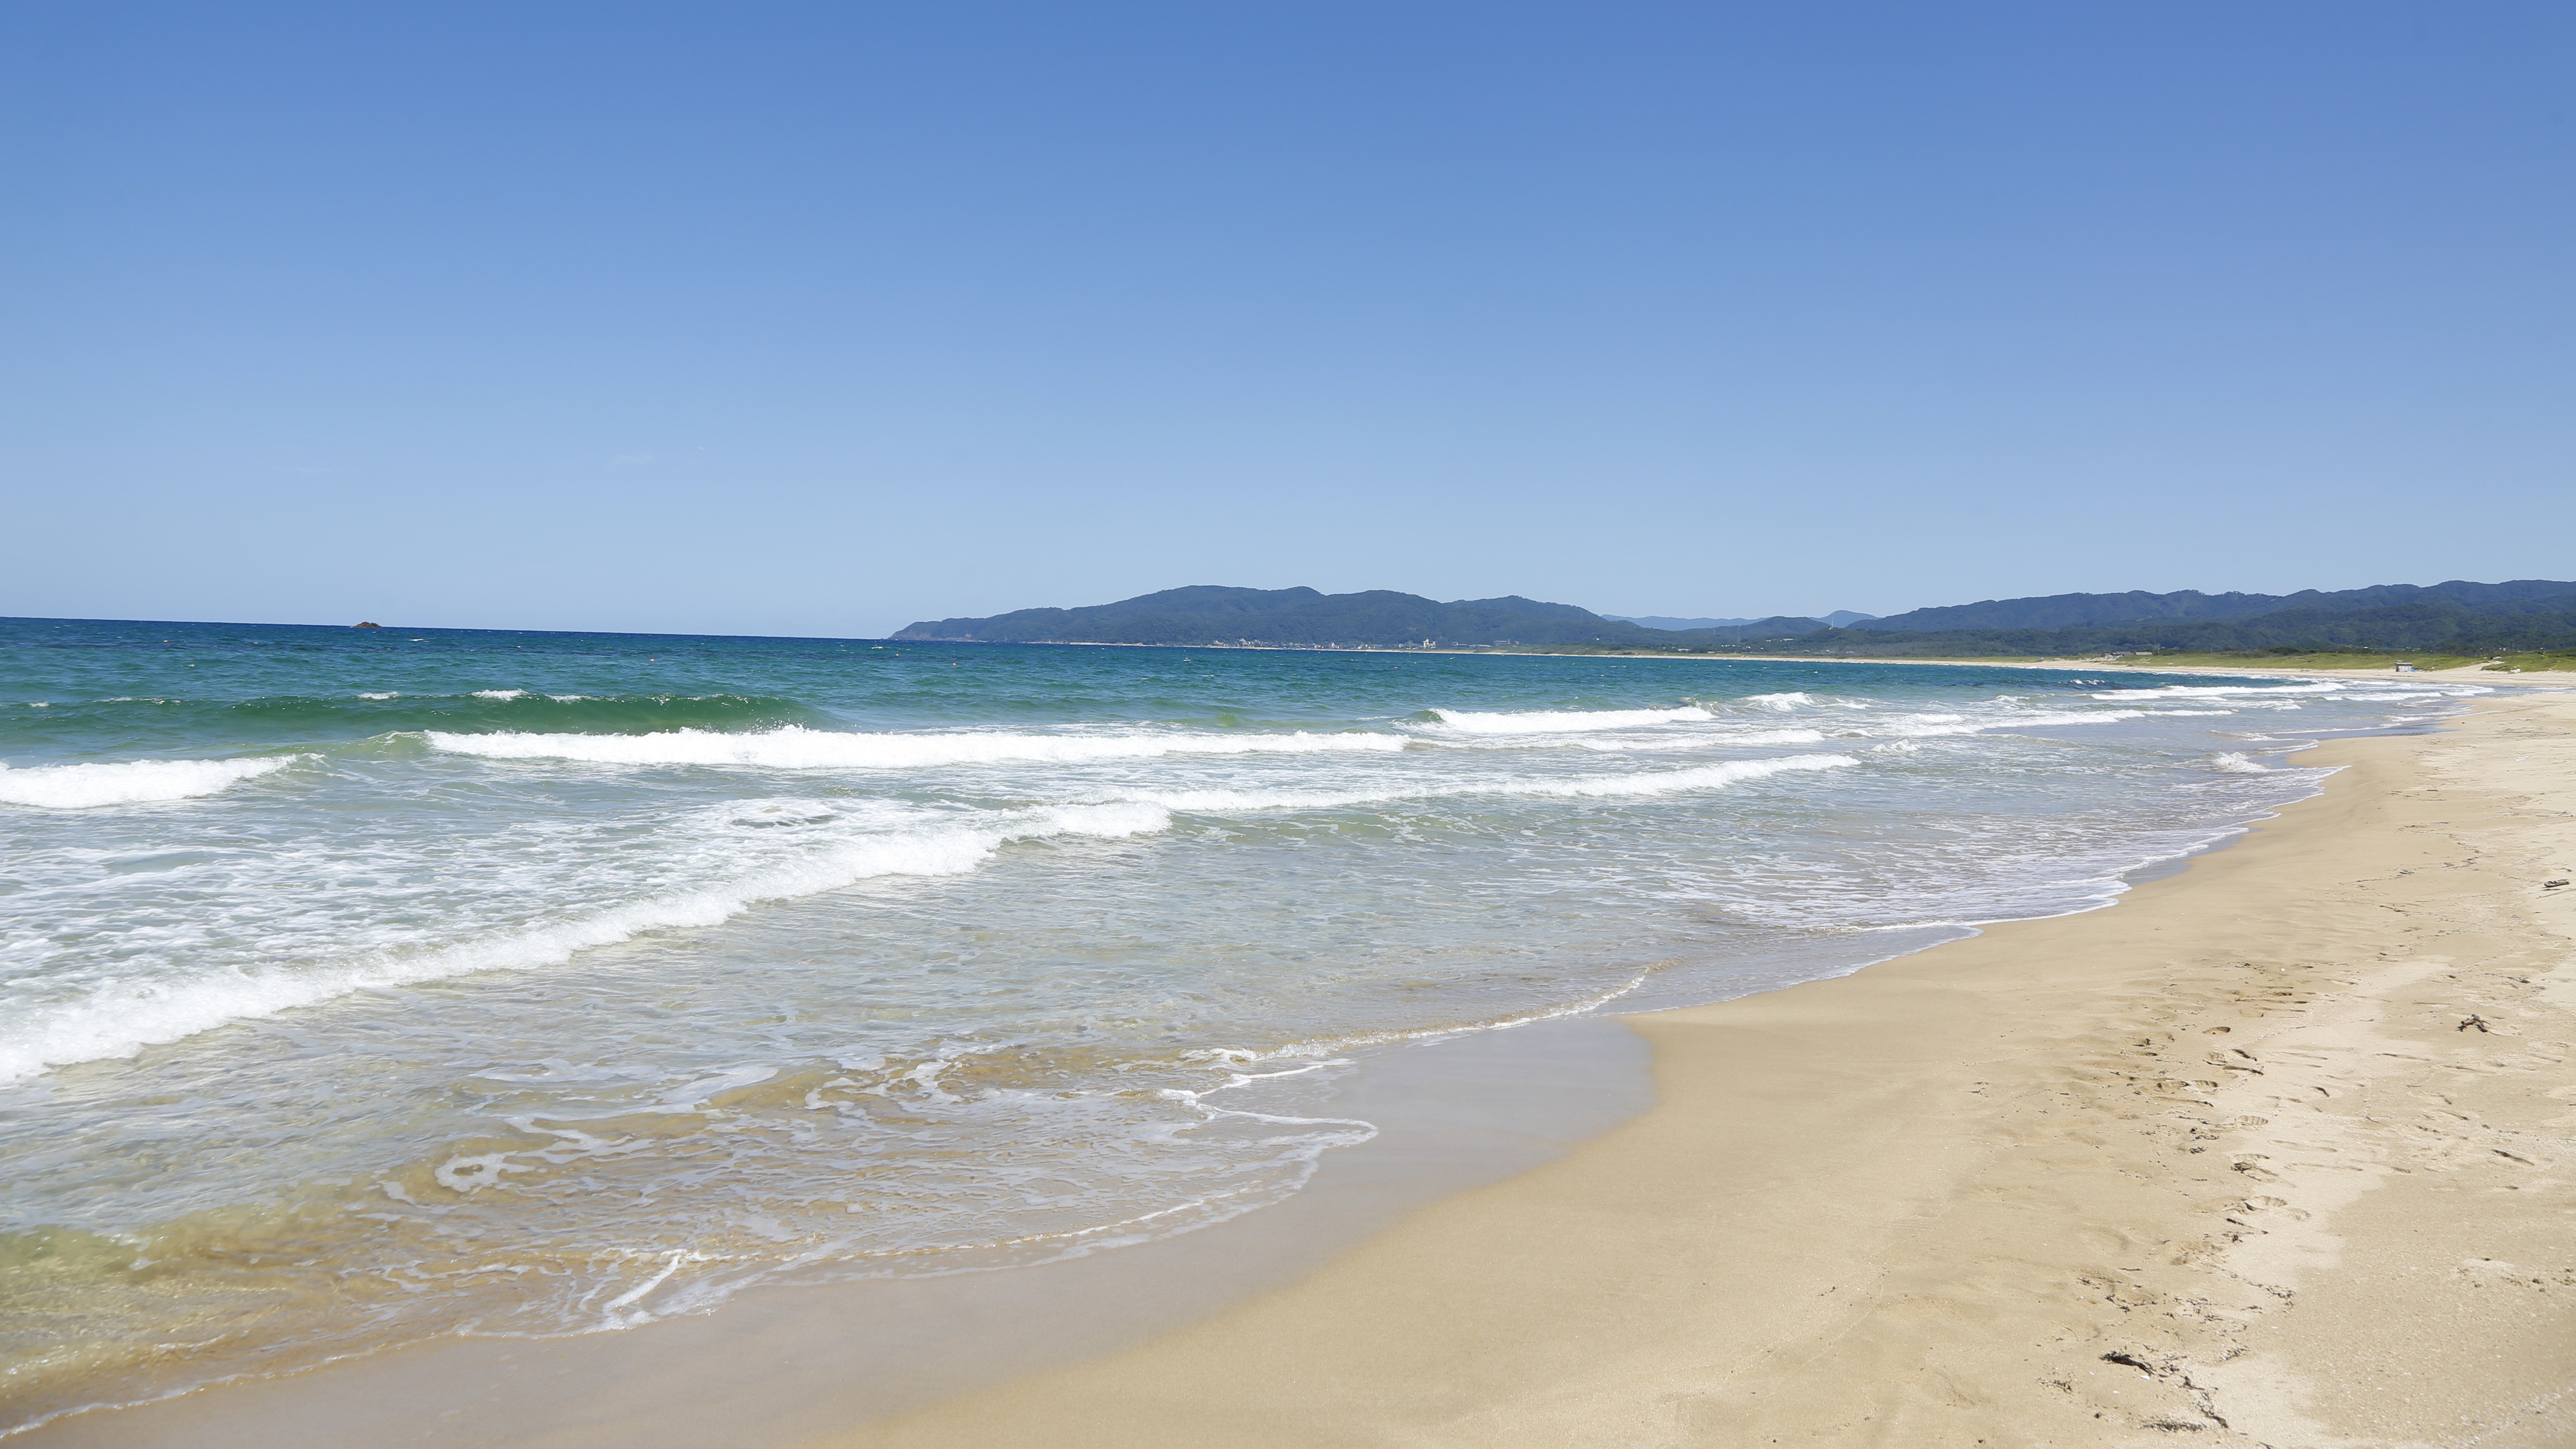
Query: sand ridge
2275,1152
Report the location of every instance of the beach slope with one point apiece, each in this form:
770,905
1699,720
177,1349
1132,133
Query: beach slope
2276,1151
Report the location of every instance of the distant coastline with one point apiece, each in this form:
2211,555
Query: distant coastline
2147,665
2529,622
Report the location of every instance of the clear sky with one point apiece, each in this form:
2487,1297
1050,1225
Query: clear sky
820,318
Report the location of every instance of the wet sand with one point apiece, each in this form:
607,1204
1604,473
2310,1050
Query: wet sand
2275,1152
2228,1160
779,1365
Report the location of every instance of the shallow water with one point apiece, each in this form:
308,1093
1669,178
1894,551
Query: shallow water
367,986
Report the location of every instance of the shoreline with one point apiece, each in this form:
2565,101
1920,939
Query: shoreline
1149,1380
2086,666
1454,1113
779,1363
2226,1159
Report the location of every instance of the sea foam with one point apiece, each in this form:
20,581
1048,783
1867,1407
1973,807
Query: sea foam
1925,725
133,782
1549,722
126,1017
794,747
2215,691
1701,740
1667,782
1643,783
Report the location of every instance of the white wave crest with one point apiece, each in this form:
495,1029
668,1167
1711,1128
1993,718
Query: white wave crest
500,694
1781,702
1656,782
2061,717
2215,691
1924,726
120,1020
794,747
2234,763
1701,740
2456,691
133,782
1566,721
1703,777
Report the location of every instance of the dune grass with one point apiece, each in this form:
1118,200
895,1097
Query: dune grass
2558,660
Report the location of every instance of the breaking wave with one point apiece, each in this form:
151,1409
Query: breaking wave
133,782
123,1019
1658,782
797,748
2214,691
1551,722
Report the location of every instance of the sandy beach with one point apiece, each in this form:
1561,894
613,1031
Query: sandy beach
2272,1152
897,727
2275,1152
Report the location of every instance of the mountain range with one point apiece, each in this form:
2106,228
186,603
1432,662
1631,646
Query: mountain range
2457,617
1373,618
1839,618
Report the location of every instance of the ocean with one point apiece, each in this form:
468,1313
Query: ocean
363,986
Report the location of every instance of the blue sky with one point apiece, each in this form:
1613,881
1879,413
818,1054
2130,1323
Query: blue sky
818,319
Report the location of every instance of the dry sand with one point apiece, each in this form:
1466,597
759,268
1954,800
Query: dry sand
2277,1151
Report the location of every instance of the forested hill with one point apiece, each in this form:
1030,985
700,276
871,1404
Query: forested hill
2074,611
1374,618
2455,618
2452,618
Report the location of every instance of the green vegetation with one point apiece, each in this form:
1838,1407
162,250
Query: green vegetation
2558,659
2445,624
2292,658
1303,618
2437,625
2077,611
1638,648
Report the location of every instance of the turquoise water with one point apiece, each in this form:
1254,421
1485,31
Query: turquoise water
364,986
